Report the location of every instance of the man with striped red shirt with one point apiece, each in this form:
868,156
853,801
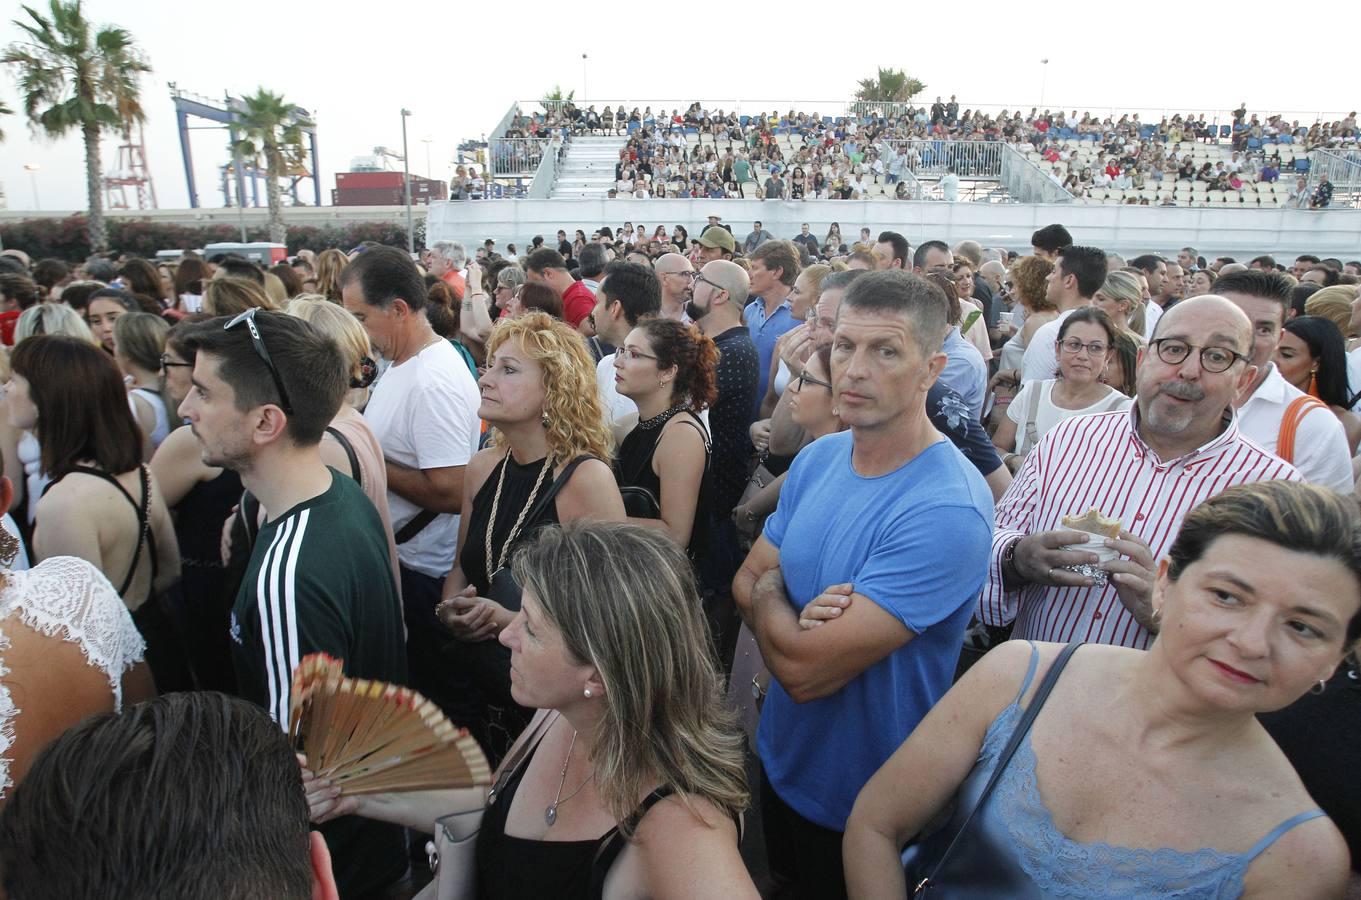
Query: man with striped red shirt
1148,466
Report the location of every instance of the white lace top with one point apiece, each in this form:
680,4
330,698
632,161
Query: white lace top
66,597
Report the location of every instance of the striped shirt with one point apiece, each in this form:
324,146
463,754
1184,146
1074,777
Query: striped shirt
1100,461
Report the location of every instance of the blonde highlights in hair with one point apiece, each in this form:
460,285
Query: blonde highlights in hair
624,599
571,402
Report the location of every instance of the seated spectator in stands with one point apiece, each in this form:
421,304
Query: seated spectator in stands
203,773
1250,569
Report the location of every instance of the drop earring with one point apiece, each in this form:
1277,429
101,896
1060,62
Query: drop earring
543,420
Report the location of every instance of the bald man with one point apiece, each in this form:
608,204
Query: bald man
676,276
1147,467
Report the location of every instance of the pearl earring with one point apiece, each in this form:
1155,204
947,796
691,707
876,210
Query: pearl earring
543,420
587,692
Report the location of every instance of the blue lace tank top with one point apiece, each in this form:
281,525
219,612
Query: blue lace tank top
1032,854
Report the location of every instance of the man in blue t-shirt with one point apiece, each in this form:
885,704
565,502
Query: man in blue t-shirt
892,509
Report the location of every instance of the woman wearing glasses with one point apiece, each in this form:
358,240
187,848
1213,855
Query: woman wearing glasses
1085,347
669,371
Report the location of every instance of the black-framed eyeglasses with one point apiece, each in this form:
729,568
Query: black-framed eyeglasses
700,279
168,362
263,352
803,379
1174,351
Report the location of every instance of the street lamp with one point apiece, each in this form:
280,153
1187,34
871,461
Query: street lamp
583,78
1044,76
32,170
406,187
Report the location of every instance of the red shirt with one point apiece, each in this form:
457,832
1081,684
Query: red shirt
456,281
577,303
7,322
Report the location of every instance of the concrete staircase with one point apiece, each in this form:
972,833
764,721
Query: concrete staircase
587,170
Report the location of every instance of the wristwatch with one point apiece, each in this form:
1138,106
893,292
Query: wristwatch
1008,562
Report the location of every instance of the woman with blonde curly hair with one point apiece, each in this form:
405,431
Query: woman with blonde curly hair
547,462
329,266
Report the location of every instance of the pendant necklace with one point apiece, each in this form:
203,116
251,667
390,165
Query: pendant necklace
550,815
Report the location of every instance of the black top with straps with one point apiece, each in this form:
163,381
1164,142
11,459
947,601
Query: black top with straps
512,867
145,537
633,468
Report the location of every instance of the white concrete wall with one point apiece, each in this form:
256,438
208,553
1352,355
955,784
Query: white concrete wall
1123,229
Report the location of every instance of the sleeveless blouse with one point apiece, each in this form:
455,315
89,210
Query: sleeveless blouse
633,468
1039,861
515,495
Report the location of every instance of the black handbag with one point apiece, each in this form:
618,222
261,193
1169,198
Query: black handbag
968,858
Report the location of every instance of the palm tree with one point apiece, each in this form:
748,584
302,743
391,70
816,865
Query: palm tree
272,128
889,86
4,111
74,77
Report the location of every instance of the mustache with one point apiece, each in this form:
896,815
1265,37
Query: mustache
1183,390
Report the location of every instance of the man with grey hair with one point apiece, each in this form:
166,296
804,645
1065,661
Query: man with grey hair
861,524
447,259
676,276
1188,259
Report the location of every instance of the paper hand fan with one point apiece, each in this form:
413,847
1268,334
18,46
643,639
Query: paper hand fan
370,736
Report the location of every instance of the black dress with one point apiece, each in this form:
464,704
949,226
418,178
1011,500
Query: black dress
489,710
204,597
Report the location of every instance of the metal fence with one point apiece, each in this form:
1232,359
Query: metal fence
516,156
1027,182
980,160
1343,169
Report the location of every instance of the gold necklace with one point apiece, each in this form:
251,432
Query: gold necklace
519,521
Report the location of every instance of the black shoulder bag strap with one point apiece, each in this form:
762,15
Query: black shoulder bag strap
1022,728
551,494
345,445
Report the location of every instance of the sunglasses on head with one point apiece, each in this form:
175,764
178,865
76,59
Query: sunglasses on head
263,352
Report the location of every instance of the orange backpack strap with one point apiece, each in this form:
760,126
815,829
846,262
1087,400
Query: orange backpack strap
1290,424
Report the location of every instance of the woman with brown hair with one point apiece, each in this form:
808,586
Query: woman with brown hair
190,276
546,463
233,296
669,371
144,282
329,266
102,504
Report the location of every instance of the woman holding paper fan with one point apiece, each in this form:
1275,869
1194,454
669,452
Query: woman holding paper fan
588,804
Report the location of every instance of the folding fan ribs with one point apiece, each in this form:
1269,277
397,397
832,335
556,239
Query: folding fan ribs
371,736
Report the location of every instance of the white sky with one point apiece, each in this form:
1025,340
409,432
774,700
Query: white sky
356,65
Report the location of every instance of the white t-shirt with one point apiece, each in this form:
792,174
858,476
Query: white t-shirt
424,413
949,187
1152,313
617,407
1041,359
1321,452
1354,375
1047,414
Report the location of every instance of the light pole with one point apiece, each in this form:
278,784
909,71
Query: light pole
32,170
583,78
406,187
1044,76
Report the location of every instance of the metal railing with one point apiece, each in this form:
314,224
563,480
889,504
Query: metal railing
546,175
1028,183
516,156
980,160
1343,169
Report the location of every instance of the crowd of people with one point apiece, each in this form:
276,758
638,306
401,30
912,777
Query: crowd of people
966,537
875,151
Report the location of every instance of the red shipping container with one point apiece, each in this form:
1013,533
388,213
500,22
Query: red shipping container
369,197
369,180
